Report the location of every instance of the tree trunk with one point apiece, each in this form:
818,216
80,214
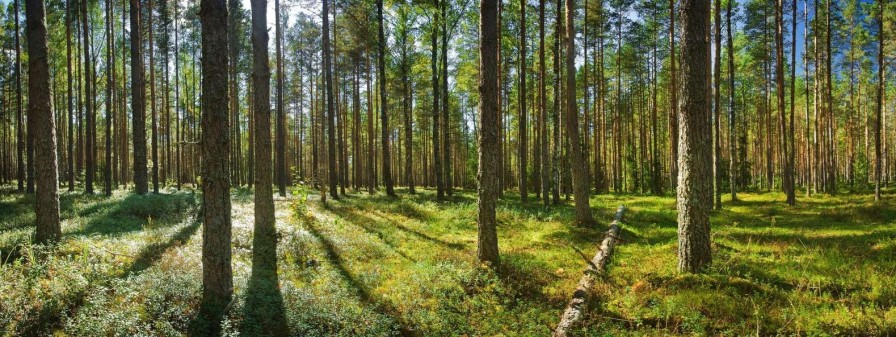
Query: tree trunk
575,310
281,115
107,171
138,101
880,100
46,206
579,168
436,116
384,104
154,116
787,179
88,104
69,11
732,130
20,119
217,276
489,123
264,243
717,107
673,99
545,159
694,152
523,128
331,110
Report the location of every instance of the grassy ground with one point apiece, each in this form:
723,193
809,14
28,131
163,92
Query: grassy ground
371,265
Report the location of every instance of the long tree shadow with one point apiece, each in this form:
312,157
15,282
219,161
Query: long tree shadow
136,212
363,292
264,312
150,254
353,213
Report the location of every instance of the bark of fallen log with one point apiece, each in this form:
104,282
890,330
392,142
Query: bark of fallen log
576,307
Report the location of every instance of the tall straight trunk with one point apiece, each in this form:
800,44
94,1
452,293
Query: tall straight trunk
523,128
331,110
69,11
233,69
576,156
880,100
406,103
46,206
177,102
164,49
673,99
20,119
695,154
264,243
791,154
138,100
555,114
384,104
281,115
124,155
110,66
544,159
489,123
371,172
89,176
154,116
217,274
717,107
779,75
446,116
436,116
831,179
732,129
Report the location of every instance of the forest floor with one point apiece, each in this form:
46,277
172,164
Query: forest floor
372,266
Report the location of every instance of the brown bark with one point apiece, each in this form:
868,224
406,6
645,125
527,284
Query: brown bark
576,156
489,124
264,243
217,274
89,176
523,128
384,104
694,152
41,112
138,101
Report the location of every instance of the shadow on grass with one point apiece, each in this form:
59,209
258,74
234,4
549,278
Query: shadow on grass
264,312
363,292
150,254
354,216
135,212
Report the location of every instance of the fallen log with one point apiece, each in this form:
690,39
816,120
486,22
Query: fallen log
576,307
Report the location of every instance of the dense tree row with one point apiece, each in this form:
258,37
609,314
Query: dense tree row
604,101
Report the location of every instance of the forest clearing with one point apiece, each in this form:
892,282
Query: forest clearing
447,168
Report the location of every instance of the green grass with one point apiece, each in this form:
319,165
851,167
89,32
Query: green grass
373,266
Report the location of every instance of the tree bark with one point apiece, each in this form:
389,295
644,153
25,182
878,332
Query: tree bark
281,115
217,274
694,151
523,127
576,156
89,176
20,119
732,130
46,206
716,107
138,101
880,100
264,243
575,310
331,110
384,105
489,124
